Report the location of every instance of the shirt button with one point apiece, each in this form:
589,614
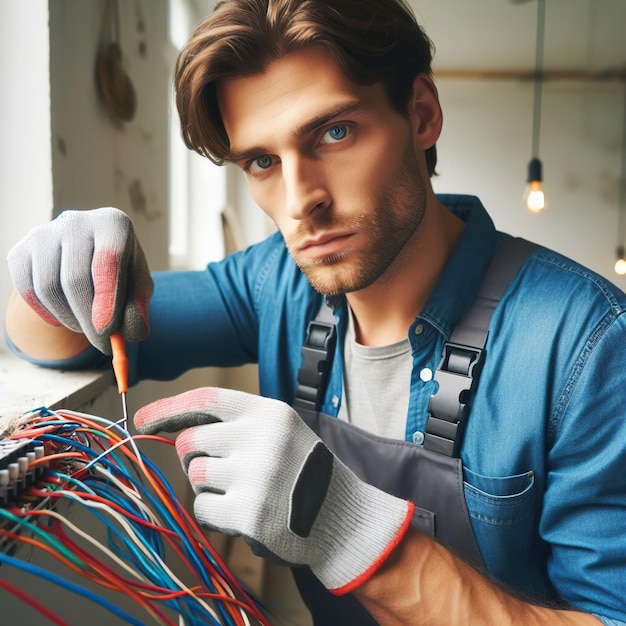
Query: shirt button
418,437
426,375
419,329
335,401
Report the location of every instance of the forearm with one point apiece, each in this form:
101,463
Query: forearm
38,339
423,583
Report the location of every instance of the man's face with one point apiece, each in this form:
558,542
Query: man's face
331,162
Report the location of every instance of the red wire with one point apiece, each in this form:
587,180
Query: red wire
91,496
107,576
198,537
186,522
180,515
22,595
41,546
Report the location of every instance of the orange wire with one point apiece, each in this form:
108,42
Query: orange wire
179,514
103,577
61,455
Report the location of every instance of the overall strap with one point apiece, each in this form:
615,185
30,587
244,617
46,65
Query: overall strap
317,358
464,353
462,358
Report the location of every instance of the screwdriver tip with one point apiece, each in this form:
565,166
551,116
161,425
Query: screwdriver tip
124,411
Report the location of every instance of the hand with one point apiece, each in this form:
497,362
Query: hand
259,471
86,270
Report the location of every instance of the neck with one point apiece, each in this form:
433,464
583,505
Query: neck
384,311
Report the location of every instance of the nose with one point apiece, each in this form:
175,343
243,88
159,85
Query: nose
305,186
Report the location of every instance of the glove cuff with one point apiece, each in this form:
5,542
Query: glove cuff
357,529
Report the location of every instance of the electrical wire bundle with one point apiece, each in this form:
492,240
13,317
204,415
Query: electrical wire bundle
94,462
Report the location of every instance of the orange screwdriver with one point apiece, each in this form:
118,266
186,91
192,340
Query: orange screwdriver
120,367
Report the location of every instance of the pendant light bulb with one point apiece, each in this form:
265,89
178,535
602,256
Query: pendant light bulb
620,264
534,197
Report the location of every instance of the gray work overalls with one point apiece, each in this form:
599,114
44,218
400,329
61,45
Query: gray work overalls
430,475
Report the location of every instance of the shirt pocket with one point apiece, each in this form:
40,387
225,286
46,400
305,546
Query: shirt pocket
504,519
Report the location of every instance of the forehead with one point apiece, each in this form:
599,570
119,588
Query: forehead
288,95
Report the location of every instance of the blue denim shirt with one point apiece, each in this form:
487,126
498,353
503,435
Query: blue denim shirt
544,450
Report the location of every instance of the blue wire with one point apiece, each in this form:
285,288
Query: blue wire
67,442
110,492
166,582
172,524
94,454
153,571
80,485
134,556
57,580
125,548
140,561
174,499
146,567
191,553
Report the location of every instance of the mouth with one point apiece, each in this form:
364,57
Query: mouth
325,245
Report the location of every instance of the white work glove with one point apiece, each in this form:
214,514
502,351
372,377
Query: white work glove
259,471
86,270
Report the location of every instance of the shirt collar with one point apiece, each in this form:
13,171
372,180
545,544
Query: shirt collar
463,274
464,271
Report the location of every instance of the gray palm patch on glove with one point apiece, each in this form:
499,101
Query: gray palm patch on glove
310,490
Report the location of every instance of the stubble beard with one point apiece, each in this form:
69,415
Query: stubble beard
386,231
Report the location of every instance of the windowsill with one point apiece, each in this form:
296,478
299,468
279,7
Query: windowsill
24,386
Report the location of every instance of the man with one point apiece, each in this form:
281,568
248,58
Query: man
330,111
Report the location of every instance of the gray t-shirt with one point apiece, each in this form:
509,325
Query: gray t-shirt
376,385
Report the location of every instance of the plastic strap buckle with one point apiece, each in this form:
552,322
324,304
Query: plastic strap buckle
457,376
317,352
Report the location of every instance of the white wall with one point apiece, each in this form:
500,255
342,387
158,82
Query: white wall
95,162
59,149
486,145
25,156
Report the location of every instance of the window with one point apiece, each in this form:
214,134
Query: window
197,186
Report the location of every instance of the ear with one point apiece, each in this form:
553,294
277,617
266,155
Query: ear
425,112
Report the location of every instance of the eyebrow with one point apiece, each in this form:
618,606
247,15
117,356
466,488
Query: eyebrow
305,129
327,116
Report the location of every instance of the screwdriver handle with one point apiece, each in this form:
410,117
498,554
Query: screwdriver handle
120,361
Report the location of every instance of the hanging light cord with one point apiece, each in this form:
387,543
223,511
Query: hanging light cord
621,206
541,22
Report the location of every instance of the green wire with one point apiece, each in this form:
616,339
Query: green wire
50,539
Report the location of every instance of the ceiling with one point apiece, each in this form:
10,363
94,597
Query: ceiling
499,36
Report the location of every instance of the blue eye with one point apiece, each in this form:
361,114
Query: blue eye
261,163
336,133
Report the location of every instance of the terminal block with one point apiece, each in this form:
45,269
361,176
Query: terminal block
16,473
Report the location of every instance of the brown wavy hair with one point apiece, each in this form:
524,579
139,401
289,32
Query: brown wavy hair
372,41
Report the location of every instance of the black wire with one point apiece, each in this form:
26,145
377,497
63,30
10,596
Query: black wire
621,206
541,23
